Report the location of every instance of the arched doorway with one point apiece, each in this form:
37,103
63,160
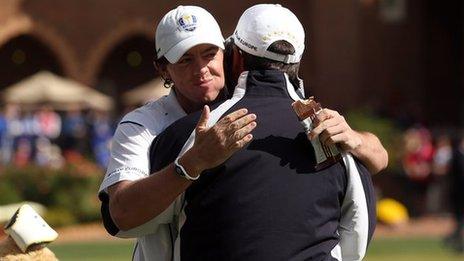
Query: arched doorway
25,55
127,65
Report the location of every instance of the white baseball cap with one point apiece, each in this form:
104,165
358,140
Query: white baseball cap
262,25
183,28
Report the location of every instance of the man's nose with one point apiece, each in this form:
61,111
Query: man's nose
201,66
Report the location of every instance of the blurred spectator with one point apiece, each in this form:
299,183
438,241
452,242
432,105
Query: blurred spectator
101,134
418,154
74,132
440,167
49,122
48,154
456,239
30,126
22,155
3,136
12,116
30,130
43,151
417,164
442,156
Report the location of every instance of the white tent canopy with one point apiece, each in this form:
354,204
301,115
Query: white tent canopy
61,93
149,91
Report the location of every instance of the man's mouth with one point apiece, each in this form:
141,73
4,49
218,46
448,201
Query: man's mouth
204,82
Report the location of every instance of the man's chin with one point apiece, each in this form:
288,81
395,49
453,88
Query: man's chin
210,97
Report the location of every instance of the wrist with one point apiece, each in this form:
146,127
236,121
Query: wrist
358,143
190,165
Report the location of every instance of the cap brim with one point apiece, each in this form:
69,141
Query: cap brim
174,54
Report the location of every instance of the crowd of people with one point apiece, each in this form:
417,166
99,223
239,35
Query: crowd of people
427,164
46,137
434,167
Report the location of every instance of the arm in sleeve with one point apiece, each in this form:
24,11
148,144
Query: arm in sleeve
358,213
129,162
129,155
144,229
130,204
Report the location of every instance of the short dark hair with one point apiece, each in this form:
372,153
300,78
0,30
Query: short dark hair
159,61
230,82
252,62
160,64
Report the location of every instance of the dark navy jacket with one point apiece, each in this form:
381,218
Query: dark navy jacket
266,202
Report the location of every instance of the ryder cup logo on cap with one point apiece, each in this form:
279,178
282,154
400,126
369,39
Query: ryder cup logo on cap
188,22
262,25
183,28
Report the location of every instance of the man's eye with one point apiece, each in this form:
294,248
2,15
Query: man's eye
211,55
185,60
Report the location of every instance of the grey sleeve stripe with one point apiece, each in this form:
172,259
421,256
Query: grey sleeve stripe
291,89
133,122
354,223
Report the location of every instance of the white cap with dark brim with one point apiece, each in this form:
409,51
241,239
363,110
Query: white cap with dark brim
263,24
183,28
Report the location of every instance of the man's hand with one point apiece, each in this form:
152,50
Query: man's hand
333,129
214,145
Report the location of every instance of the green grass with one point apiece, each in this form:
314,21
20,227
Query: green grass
410,249
384,249
94,251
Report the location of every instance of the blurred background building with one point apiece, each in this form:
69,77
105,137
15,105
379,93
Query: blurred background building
401,58
396,61
392,67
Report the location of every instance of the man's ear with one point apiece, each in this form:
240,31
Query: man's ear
162,70
237,66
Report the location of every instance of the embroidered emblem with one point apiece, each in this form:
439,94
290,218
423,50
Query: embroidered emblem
188,22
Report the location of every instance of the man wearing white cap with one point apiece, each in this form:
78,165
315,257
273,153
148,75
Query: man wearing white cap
189,47
189,51
267,201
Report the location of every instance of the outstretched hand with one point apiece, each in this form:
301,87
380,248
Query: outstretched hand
332,128
214,145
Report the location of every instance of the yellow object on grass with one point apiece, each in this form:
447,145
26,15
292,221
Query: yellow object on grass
391,212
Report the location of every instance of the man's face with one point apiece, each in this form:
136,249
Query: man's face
198,76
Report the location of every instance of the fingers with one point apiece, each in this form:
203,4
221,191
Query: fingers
338,138
241,122
335,130
324,115
326,124
242,132
243,136
203,121
234,122
217,143
233,116
332,131
330,113
346,141
237,128
243,141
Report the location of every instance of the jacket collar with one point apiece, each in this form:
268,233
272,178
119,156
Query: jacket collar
270,83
